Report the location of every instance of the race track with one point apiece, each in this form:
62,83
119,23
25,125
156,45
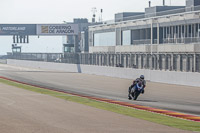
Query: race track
164,96
25,111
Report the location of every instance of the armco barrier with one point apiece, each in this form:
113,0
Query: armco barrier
170,77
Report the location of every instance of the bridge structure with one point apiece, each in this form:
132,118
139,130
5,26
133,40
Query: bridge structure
21,33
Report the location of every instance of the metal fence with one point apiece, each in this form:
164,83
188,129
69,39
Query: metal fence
189,62
186,40
48,57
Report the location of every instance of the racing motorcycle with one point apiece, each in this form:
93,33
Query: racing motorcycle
135,91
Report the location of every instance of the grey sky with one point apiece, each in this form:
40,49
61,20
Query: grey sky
57,11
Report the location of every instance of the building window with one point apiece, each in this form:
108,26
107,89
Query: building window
105,39
126,37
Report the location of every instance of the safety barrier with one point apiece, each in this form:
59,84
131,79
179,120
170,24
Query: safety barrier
3,61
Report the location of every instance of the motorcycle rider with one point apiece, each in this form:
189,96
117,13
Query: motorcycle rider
137,88
135,82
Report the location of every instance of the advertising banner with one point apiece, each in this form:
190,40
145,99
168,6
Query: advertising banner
57,29
17,29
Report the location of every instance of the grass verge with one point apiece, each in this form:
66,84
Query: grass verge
152,117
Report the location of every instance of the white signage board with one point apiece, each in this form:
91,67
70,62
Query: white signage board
57,29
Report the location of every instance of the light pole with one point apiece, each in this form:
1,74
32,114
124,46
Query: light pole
151,34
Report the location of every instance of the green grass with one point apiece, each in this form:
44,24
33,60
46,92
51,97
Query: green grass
145,115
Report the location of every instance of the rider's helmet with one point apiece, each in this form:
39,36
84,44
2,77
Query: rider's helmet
142,77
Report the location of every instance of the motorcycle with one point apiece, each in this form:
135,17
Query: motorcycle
135,91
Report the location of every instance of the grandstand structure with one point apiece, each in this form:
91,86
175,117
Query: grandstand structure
161,38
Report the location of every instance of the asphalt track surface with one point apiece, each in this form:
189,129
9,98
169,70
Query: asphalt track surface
24,111
177,98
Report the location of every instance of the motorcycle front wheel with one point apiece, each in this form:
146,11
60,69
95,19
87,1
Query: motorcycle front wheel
136,94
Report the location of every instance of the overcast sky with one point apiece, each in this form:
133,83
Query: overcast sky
57,11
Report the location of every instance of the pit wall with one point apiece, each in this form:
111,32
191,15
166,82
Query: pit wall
170,77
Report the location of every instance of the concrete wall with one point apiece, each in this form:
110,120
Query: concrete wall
170,77
2,61
167,48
